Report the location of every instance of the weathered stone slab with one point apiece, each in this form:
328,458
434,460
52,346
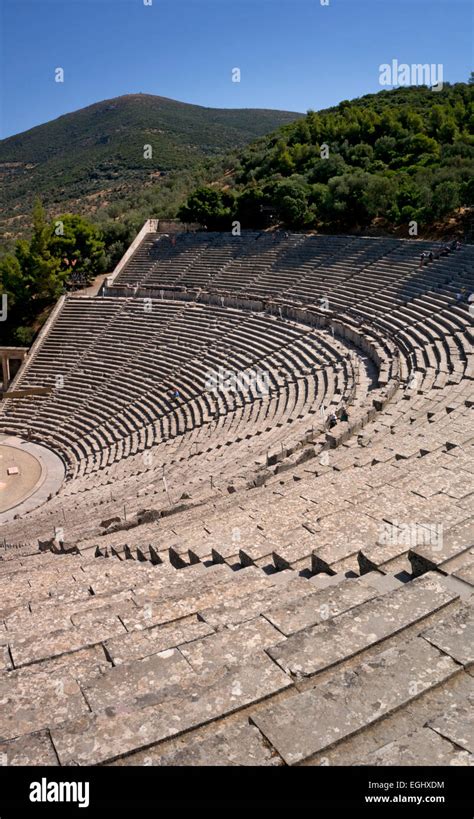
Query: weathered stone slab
83,665
104,615
287,555
53,583
141,644
372,558
65,594
238,744
321,646
109,585
156,613
381,583
457,540
29,581
76,593
304,724
455,635
232,645
24,625
336,542
88,603
175,588
32,649
319,606
30,749
8,609
419,747
138,683
54,616
31,702
246,608
227,554
105,736
256,551
457,725
466,573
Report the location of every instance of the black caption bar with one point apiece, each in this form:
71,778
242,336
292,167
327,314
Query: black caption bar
378,791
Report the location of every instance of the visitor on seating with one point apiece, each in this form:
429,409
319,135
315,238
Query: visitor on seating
332,421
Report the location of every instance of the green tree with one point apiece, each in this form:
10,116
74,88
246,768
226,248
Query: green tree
34,276
206,206
39,267
11,280
250,206
445,198
379,195
320,201
348,206
78,245
361,155
291,202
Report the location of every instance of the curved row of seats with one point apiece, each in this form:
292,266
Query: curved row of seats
116,362
111,389
228,543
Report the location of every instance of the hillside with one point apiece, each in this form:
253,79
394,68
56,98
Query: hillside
96,155
379,161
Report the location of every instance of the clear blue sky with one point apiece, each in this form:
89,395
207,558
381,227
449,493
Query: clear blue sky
293,54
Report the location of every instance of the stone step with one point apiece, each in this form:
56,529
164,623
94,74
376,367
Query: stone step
34,647
30,749
231,645
426,557
178,583
257,553
294,554
454,634
234,611
321,646
382,583
457,725
466,571
338,548
140,644
419,747
239,744
34,701
318,607
105,736
152,611
138,683
301,725
375,557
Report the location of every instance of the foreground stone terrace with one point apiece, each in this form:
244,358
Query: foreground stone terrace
289,595
133,664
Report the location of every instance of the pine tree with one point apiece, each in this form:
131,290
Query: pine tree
39,265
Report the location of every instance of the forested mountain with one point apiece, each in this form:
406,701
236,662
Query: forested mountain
130,146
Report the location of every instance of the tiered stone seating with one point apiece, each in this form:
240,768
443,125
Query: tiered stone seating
130,657
235,582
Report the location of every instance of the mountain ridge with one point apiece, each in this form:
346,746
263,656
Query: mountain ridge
98,150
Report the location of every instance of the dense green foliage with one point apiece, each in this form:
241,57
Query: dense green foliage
36,274
400,155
